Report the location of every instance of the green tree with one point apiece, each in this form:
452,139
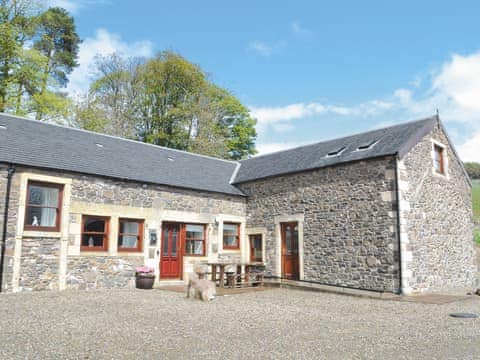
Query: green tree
17,26
56,38
473,169
168,101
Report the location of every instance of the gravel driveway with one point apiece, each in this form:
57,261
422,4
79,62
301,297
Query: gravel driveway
279,323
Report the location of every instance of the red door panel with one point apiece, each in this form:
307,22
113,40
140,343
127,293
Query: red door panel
290,264
171,257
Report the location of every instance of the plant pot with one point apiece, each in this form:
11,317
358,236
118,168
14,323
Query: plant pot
144,281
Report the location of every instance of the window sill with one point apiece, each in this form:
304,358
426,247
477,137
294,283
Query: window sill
42,234
130,250
441,175
128,254
94,253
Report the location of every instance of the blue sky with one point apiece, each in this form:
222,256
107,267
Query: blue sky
310,70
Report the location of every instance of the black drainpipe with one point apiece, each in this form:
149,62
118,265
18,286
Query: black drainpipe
10,172
398,229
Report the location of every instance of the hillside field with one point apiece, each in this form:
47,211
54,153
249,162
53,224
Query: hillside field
476,207
476,199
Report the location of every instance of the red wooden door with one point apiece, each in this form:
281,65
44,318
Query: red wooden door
171,257
290,266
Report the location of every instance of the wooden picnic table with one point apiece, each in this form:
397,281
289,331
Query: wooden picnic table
221,265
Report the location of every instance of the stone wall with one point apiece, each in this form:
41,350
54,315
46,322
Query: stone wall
88,273
349,229
439,250
105,191
39,264
37,259
11,224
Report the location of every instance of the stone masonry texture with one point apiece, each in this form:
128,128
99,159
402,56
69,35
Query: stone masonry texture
349,224
439,221
39,259
349,229
11,223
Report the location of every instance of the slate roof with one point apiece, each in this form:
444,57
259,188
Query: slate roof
42,145
394,140
37,144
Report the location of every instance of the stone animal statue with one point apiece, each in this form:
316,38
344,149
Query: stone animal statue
203,289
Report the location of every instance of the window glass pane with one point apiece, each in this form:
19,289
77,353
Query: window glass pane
288,239
198,250
129,227
230,233
37,216
90,240
94,225
230,229
194,247
174,242
195,232
189,247
127,241
165,242
230,240
44,196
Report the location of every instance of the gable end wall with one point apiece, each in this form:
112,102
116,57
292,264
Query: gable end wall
437,221
349,222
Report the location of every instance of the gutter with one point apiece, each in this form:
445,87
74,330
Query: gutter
397,188
10,172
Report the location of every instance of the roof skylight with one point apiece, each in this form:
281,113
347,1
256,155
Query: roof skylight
336,152
367,145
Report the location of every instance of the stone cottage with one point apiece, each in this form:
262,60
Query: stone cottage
387,210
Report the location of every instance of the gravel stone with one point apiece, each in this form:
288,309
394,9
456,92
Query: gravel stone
273,324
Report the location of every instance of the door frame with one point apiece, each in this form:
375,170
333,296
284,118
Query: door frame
180,253
296,270
299,219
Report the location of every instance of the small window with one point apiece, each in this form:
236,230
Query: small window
438,159
130,235
366,145
336,152
194,240
94,233
256,248
231,236
43,208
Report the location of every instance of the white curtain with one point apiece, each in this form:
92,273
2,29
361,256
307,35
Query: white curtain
49,198
129,241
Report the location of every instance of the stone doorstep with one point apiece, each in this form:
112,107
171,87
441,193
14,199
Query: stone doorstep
424,298
166,283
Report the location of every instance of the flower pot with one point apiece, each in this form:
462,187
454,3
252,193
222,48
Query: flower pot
144,281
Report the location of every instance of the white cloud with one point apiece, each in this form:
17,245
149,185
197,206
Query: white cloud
73,6
453,89
261,48
103,43
470,150
274,147
280,118
268,115
300,31
266,49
